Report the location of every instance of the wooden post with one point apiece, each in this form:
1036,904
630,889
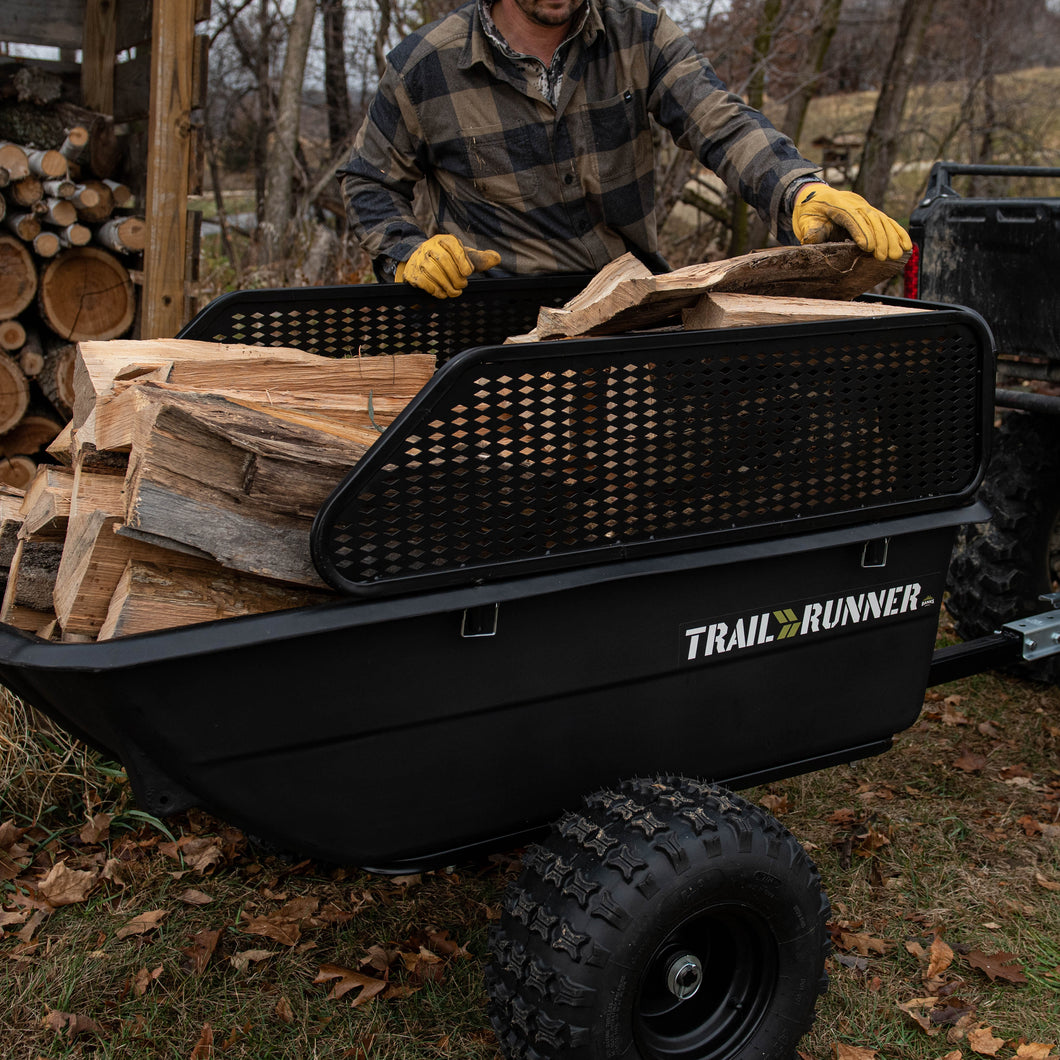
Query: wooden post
168,159
97,66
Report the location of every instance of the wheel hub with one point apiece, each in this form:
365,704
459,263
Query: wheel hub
684,976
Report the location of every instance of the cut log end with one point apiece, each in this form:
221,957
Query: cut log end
86,293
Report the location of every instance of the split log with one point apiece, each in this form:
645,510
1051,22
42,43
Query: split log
625,295
219,477
14,161
86,293
56,377
46,505
152,596
12,335
24,225
28,596
17,471
125,235
14,395
18,277
748,310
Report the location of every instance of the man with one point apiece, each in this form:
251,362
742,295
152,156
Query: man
516,133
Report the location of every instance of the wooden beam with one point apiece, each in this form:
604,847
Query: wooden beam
97,55
57,23
168,160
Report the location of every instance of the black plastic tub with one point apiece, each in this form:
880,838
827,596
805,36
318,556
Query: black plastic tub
710,554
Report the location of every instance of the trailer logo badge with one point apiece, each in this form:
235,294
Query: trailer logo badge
732,634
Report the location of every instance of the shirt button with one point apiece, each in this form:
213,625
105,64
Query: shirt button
569,178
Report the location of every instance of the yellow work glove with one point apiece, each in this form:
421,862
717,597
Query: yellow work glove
442,264
823,214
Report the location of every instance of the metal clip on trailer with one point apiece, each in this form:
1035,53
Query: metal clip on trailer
578,575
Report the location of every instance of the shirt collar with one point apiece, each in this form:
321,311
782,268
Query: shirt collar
479,47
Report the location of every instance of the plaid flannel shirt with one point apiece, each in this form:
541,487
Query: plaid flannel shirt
462,138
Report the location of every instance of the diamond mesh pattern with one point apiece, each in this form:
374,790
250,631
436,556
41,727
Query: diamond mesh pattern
551,454
366,319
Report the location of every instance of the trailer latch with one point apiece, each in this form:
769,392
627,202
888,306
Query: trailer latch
1041,633
874,553
480,621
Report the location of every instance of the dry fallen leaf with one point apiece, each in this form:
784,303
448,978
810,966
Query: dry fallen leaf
142,924
852,1052
997,966
72,1024
919,1010
144,979
201,949
349,980
970,762
284,1010
983,1042
940,958
1035,1050
96,830
193,897
204,1046
65,886
242,961
1049,885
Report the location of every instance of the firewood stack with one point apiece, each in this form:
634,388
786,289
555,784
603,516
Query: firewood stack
66,236
186,489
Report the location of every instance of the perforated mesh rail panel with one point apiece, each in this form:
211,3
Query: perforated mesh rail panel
367,319
521,458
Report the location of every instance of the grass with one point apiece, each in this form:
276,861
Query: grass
910,845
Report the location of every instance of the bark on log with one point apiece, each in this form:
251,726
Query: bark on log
18,277
86,293
28,601
60,212
14,394
47,126
47,164
24,225
122,193
124,235
13,159
74,143
56,376
103,206
60,189
75,235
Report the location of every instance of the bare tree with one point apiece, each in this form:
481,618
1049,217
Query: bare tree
810,68
281,157
881,140
336,89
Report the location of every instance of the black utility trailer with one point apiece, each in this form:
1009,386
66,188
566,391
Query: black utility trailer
576,575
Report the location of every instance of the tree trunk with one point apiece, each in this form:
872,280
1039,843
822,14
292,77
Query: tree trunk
881,140
336,92
281,156
825,25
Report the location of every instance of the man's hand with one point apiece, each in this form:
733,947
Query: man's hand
823,214
442,264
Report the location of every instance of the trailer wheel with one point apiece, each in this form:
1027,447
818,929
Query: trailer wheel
1000,568
667,919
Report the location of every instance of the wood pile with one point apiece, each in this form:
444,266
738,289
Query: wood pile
189,476
67,234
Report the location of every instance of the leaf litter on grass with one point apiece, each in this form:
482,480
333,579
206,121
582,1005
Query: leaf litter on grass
942,859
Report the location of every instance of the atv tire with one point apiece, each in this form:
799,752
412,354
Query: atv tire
668,919
1001,568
